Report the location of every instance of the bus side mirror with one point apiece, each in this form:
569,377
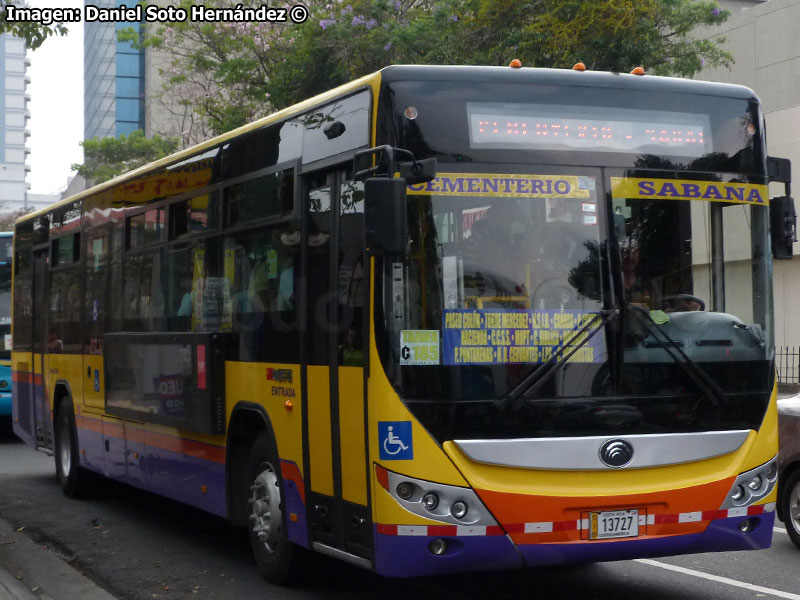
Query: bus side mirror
783,226
385,215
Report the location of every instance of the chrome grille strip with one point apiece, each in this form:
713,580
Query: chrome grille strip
582,453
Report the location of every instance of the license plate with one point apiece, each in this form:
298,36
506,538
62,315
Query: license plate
613,524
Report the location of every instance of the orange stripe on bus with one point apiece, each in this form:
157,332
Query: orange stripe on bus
26,377
162,441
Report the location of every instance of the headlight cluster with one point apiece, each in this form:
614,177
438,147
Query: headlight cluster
447,503
752,485
437,503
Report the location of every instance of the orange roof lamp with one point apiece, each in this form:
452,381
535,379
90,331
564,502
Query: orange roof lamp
638,71
515,64
579,66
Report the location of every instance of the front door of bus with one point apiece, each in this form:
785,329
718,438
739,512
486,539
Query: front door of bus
336,296
41,403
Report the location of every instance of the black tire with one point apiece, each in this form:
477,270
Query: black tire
75,480
279,561
790,506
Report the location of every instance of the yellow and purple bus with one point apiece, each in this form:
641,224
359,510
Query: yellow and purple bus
435,320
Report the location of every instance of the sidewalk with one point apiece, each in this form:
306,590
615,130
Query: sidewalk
29,571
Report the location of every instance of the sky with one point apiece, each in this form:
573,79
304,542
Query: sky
56,106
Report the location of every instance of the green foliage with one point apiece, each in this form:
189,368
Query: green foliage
617,35
8,218
32,32
105,158
228,74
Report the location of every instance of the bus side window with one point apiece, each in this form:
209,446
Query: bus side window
64,308
143,301
197,297
260,270
96,294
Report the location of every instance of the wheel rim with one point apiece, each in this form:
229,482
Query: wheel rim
265,516
64,448
794,507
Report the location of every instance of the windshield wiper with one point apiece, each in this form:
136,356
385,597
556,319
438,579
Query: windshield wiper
531,383
706,384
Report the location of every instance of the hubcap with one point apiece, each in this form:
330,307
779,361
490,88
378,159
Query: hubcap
265,513
65,448
794,507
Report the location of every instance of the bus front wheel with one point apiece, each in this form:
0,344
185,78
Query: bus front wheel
73,478
790,506
278,560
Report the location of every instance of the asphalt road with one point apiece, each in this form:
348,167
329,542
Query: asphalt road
141,547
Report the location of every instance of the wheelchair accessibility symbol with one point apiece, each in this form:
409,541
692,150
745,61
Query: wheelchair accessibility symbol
395,438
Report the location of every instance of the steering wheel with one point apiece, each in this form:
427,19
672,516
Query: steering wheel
687,298
553,293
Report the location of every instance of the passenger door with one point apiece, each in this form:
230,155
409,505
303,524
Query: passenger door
334,361
41,397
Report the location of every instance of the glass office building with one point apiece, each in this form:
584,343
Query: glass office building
113,78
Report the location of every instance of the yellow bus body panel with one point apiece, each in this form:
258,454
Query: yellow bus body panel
352,434
247,382
64,367
319,430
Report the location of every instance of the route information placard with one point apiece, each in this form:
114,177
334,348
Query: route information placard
500,336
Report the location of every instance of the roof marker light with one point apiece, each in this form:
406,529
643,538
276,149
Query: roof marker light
515,64
638,71
579,66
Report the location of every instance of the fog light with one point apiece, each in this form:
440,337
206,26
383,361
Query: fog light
404,490
459,509
755,482
3,384
737,494
437,547
430,501
748,525
772,470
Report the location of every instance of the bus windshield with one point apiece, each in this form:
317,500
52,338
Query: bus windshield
548,300
552,312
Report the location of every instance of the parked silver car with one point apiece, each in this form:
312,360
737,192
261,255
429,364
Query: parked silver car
788,507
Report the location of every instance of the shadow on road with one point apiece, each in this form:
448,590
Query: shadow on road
7,432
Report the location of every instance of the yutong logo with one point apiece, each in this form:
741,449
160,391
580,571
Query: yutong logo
616,453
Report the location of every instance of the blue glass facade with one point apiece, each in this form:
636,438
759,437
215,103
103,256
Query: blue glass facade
113,78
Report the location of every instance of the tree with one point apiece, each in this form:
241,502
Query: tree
105,158
608,35
7,218
229,73
34,33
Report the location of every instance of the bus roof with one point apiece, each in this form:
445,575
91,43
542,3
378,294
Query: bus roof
605,79
368,80
434,73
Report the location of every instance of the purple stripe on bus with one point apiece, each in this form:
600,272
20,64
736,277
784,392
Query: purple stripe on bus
23,423
171,474
409,556
720,535
293,505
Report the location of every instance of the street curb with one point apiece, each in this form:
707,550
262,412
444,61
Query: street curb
12,589
29,571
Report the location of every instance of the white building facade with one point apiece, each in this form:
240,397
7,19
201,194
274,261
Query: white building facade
764,38
14,117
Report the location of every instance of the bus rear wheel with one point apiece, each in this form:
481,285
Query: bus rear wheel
74,479
279,561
